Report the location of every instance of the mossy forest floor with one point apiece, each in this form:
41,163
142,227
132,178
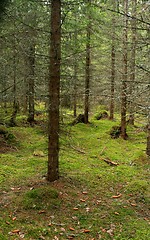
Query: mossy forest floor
92,200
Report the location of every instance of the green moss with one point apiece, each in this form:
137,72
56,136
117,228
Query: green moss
40,198
101,115
140,189
82,168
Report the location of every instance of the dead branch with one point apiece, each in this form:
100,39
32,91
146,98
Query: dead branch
110,162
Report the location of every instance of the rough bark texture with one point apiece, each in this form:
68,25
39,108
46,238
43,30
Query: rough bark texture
132,62
12,122
75,91
148,137
15,108
75,71
112,84
111,117
87,69
124,76
31,60
25,95
54,88
31,44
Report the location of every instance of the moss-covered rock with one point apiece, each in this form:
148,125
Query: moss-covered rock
101,115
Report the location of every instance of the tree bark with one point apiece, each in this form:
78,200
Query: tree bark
132,62
75,90
54,91
113,56
87,70
31,59
25,93
75,73
148,137
15,107
125,72
148,125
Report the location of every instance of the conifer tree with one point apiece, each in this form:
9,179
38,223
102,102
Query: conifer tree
54,91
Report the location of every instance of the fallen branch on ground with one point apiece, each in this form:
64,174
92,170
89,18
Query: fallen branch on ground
77,149
110,162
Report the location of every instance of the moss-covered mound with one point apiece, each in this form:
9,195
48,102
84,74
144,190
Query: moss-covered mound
101,115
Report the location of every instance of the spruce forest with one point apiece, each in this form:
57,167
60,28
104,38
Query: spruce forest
74,119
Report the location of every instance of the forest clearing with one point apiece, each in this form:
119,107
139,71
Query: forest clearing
74,119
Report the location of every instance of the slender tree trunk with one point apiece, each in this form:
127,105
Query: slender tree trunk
26,82
75,75
87,70
111,117
132,62
5,93
31,41
15,107
54,89
31,59
25,96
125,72
148,125
75,90
148,137
113,56
14,75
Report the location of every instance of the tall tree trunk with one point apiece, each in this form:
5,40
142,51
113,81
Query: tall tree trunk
31,44
132,62
15,107
14,74
26,81
111,117
148,108
125,72
87,70
75,74
75,90
5,93
148,136
31,59
25,96
54,91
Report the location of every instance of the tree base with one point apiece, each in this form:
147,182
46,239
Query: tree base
115,132
80,119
